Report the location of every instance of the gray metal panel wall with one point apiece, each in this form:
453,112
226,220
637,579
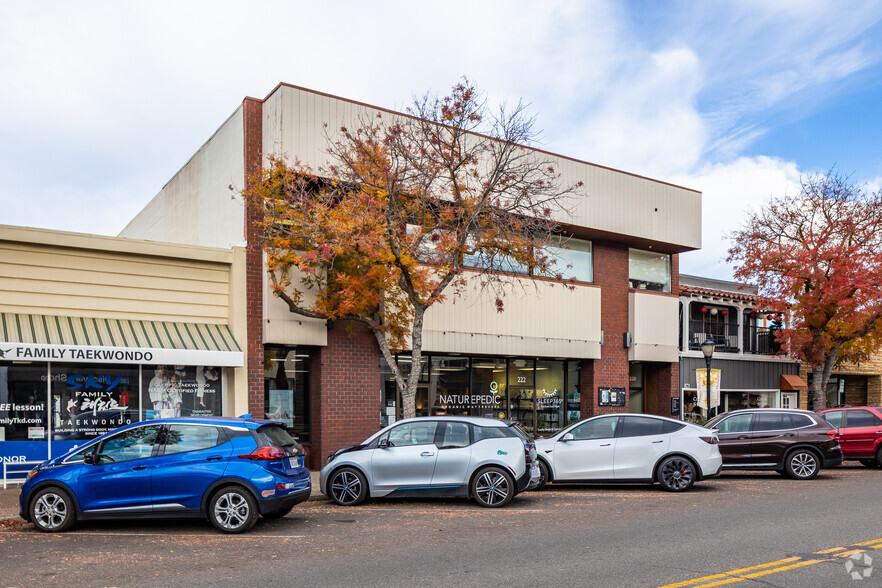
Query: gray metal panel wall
739,374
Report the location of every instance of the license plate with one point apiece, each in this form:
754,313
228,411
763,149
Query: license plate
294,462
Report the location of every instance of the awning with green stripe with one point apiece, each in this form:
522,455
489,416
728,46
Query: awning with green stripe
92,339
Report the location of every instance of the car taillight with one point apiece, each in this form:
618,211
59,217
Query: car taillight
833,434
265,453
710,440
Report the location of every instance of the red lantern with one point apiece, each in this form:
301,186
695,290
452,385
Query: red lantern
724,312
704,310
753,314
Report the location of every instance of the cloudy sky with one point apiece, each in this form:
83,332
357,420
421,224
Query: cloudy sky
102,102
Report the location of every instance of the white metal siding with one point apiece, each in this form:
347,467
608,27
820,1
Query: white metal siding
283,327
612,201
653,320
539,319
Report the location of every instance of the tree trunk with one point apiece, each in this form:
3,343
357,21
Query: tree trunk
819,389
408,394
821,376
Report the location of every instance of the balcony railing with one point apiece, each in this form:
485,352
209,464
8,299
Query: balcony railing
760,340
724,335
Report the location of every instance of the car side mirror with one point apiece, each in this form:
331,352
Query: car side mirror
383,444
567,437
90,458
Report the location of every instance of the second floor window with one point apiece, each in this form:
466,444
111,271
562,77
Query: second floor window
648,270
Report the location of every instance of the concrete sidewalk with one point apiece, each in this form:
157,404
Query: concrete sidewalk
9,498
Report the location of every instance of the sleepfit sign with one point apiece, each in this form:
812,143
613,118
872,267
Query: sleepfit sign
129,355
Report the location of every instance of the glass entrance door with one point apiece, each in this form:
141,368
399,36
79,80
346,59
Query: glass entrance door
523,407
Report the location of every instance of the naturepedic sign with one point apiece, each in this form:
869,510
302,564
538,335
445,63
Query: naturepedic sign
121,355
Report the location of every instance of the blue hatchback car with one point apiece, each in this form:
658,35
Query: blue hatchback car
228,470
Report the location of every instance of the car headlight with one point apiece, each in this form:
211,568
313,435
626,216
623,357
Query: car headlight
33,472
331,457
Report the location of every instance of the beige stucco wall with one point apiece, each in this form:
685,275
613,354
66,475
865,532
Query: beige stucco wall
613,201
196,206
539,319
653,321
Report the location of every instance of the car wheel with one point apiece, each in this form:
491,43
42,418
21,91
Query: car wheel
52,510
493,487
676,474
870,463
802,464
543,475
277,514
347,487
233,510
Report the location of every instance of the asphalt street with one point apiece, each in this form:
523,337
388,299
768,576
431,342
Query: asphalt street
740,530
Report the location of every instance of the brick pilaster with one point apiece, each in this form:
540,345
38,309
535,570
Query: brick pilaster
346,390
254,270
611,370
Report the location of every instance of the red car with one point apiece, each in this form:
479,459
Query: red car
860,432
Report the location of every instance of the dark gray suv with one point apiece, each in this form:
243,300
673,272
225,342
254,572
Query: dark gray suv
795,443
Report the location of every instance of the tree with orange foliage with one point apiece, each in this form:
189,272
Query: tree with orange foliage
816,257
406,205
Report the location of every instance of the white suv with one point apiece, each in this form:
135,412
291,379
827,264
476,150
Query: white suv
630,448
471,457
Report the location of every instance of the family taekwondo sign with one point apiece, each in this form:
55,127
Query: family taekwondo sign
96,354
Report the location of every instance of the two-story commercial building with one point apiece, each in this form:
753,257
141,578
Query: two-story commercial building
553,356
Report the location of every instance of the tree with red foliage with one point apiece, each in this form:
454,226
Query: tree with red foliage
406,205
816,257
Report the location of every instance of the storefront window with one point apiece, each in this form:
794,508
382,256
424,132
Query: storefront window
178,390
649,271
540,395
391,407
549,396
449,386
23,414
89,400
488,396
736,400
286,388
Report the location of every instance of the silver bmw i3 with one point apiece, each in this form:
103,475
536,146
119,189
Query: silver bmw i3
484,459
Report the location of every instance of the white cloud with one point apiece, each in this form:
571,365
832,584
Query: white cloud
729,192
104,101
